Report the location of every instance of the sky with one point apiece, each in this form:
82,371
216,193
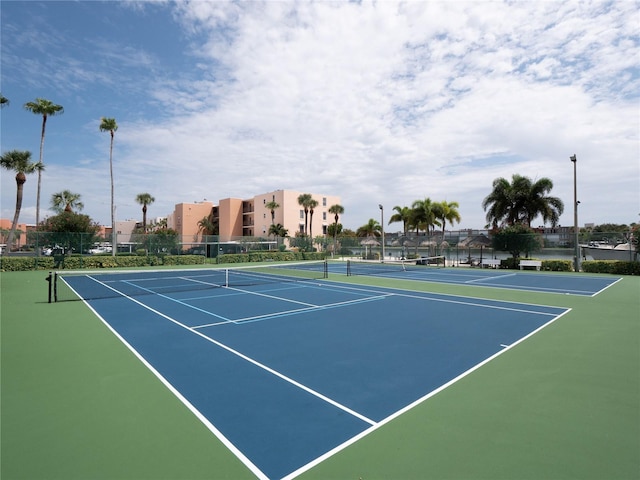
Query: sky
376,102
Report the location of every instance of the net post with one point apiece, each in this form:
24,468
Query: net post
55,287
226,277
326,268
348,268
48,279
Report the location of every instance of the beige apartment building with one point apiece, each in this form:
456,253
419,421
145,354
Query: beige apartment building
251,218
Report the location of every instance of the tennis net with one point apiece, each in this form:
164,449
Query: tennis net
91,285
364,267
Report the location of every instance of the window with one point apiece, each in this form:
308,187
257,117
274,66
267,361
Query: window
324,215
324,229
324,201
301,213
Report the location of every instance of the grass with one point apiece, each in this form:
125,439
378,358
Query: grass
565,404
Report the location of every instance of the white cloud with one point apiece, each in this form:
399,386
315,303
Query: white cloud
376,102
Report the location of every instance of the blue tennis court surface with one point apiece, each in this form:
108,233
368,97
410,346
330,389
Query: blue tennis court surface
582,284
284,373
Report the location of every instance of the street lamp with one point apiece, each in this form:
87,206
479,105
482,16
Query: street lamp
576,259
382,227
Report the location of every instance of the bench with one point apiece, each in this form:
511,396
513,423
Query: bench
491,262
530,263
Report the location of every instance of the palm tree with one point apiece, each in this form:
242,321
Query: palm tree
447,212
539,203
312,205
277,230
46,108
303,201
370,229
110,125
403,214
66,201
272,205
207,225
4,101
337,210
144,199
20,162
423,215
521,201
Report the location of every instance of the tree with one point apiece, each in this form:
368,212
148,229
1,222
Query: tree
337,210
4,101
20,162
447,212
66,201
423,215
73,231
278,231
403,214
516,239
312,205
144,199
207,226
272,206
370,229
303,201
538,202
45,108
110,125
521,201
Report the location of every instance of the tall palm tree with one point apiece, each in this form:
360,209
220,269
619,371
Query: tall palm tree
447,212
520,201
337,210
110,125
66,201
272,206
303,201
423,215
20,162
499,204
46,108
144,199
539,203
312,205
4,101
403,214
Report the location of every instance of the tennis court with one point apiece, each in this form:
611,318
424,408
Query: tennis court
585,285
285,372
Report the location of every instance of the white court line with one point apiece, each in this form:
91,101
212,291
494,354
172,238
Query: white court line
248,359
467,301
414,404
493,277
304,310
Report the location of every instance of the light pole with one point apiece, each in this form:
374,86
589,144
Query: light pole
382,227
576,260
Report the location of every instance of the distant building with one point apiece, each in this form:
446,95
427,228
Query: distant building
251,217
185,217
21,232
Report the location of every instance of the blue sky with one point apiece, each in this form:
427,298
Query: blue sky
385,102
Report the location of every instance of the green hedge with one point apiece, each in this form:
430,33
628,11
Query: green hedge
77,262
547,265
615,267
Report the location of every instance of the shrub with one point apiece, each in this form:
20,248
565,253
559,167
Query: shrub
615,267
557,265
